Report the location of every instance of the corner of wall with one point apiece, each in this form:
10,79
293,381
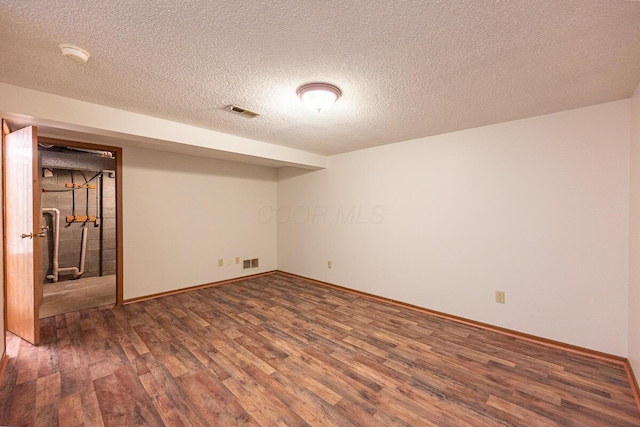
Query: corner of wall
634,237
2,322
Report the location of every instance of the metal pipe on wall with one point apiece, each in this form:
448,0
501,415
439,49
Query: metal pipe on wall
83,252
56,239
55,213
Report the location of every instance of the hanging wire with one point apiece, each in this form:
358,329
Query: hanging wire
44,190
86,207
74,189
73,195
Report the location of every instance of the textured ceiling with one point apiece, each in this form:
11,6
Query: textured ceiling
407,69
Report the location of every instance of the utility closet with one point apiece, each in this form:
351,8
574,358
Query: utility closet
79,213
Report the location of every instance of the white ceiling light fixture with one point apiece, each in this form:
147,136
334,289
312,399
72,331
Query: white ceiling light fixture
76,53
318,96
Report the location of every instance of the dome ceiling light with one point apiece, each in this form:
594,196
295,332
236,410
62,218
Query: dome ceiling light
318,96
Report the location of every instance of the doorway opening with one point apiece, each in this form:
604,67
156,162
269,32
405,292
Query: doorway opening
78,203
28,229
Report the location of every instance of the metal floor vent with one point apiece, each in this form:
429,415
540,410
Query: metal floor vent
242,111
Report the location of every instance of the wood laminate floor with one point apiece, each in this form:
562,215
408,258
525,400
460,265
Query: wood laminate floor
80,294
280,351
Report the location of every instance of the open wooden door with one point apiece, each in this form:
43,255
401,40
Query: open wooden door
23,230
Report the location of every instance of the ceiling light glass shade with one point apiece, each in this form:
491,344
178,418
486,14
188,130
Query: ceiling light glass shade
319,96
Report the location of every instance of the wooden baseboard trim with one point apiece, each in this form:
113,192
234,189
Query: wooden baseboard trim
4,360
633,381
515,334
196,287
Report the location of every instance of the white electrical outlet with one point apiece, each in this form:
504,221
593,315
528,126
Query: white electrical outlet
500,297
237,260
220,262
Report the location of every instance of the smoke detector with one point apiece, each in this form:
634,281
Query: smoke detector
76,53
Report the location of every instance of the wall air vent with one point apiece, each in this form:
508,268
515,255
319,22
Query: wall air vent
242,111
250,263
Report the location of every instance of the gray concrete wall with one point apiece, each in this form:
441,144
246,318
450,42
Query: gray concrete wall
101,239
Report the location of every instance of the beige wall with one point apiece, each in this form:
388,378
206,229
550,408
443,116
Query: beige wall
183,213
538,208
634,237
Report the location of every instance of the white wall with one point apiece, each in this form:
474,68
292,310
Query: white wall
182,213
634,237
538,208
